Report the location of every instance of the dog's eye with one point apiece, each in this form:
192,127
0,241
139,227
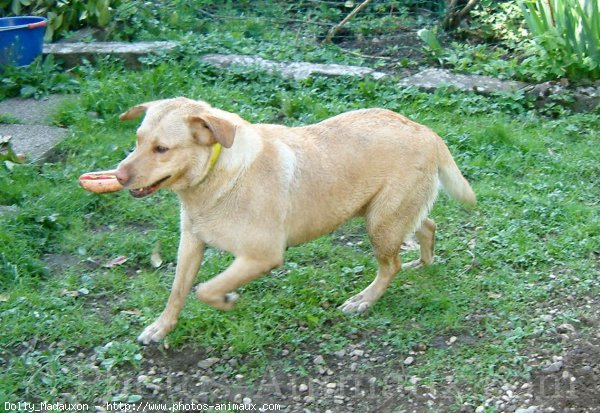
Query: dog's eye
160,149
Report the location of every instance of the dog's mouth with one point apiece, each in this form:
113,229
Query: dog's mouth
147,190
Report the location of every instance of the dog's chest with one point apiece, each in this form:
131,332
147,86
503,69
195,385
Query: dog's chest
210,229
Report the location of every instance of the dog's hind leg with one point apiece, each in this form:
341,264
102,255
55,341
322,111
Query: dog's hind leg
359,303
219,292
386,236
426,237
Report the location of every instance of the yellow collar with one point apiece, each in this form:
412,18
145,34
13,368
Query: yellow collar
213,157
216,151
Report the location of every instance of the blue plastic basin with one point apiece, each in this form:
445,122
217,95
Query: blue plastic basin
21,39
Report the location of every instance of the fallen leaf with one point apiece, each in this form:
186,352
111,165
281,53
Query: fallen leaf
116,262
4,297
66,293
451,340
155,259
135,311
494,295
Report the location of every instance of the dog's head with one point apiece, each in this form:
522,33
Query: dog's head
175,144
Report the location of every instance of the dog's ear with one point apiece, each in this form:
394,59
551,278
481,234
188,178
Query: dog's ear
222,130
137,110
134,112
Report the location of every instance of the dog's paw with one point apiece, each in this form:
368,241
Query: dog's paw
413,265
220,302
357,304
155,332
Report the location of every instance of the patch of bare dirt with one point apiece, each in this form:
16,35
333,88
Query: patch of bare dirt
354,379
572,383
564,363
401,52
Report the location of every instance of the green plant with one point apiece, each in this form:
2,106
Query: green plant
40,78
63,15
433,45
567,33
493,21
115,353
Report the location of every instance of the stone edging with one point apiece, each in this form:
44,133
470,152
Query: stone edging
430,79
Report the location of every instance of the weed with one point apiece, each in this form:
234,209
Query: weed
40,78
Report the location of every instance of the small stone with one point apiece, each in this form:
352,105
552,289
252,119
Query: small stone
309,399
565,328
208,363
246,400
152,386
331,385
302,388
480,409
285,352
409,360
553,368
546,318
142,378
353,366
358,352
340,354
319,360
530,409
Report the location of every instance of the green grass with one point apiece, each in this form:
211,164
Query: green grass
535,226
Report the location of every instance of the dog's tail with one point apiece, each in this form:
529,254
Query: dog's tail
453,182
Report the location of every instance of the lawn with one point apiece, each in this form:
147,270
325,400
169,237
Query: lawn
508,273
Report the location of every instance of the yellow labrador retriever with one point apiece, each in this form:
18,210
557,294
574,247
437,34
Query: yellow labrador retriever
255,189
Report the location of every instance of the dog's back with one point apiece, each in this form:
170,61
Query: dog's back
359,163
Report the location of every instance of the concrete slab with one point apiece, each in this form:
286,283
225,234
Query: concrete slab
73,53
35,141
431,79
31,111
295,70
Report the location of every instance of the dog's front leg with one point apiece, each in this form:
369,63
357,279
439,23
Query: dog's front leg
189,256
219,291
